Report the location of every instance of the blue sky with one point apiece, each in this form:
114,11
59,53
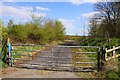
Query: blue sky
73,15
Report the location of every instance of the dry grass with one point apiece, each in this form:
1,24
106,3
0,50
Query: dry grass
112,65
81,58
26,59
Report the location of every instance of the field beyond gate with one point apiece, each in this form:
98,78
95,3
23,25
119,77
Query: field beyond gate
62,58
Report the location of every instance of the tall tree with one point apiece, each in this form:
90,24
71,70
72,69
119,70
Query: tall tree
59,30
37,21
109,17
10,23
3,32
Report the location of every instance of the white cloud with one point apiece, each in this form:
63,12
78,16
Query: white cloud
42,8
71,27
79,2
36,1
18,12
84,19
91,14
26,8
1,9
76,2
68,23
8,1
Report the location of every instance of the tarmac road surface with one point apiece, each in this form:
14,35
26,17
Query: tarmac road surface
55,58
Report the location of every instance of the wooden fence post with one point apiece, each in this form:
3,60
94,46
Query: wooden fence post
103,56
105,53
113,51
98,60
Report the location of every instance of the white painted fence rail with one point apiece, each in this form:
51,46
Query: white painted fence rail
114,48
114,55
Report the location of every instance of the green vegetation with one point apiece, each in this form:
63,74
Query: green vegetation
107,21
91,41
3,52
23,52
109,71
37,34
84,57
112,74
104,31
38,31
19,50
3,65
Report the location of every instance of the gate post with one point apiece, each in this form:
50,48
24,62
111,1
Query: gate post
98,60
113,51
9,53
103,56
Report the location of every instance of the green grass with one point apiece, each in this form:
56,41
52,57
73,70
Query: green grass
19,51
3,65
112,74
109,73
81,57
25,50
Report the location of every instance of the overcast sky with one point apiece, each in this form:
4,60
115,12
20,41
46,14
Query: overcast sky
73,14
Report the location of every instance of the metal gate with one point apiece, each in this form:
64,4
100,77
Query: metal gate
63,58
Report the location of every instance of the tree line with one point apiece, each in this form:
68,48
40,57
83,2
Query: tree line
107,22
38,31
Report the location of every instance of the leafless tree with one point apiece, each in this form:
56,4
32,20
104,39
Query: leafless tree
109,15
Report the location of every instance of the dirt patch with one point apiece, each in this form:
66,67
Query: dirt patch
29,73
112,65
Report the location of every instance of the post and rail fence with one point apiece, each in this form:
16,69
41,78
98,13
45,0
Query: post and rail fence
108,54
106,51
